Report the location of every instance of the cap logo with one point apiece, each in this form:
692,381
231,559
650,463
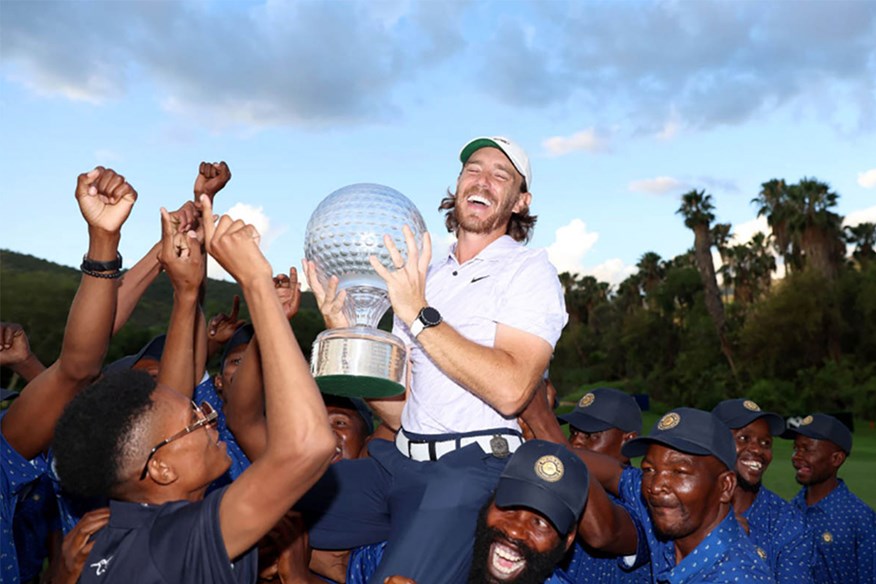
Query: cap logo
750,405
761,553
668,421
827,537
806,421
585,401
549,468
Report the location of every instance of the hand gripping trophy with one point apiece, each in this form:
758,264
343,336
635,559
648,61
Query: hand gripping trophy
344,231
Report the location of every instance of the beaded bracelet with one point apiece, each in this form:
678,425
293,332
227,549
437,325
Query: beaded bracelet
106,275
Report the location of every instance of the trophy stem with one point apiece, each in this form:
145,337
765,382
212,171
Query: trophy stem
365,305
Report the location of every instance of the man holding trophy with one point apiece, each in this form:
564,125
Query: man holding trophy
480,325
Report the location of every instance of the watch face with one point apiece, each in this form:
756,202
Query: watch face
430,317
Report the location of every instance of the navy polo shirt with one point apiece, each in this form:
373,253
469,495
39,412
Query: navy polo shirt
725,555
174,542
778,530
16,476
844,532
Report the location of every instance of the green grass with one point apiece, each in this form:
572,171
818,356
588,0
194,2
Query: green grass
859,470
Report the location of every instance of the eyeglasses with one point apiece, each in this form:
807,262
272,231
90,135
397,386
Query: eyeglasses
207,416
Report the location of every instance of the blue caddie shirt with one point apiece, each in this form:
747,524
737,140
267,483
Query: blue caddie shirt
17,474
778,530
363,562
582,566
725,555
175,542
206,391
36,516
844,531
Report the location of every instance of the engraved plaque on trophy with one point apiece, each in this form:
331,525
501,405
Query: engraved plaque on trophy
344,231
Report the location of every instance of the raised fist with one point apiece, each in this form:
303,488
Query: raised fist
105,199
212,178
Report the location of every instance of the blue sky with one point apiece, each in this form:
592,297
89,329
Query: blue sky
622,106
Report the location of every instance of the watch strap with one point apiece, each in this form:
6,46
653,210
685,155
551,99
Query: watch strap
89,265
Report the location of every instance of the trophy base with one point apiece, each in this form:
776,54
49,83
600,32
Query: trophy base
358,386
359,362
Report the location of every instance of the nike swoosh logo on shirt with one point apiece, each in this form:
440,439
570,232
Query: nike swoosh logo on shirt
479,278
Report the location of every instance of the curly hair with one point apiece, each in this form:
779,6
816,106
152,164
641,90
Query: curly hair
100,433
519,227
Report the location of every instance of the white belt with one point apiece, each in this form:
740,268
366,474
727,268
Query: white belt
500,444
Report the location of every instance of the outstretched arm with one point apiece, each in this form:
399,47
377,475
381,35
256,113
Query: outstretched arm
300,442
105,200
503,375
604,525
183,260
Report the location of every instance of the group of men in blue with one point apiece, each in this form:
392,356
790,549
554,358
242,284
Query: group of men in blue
469,477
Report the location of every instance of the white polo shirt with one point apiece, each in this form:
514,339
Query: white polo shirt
506,283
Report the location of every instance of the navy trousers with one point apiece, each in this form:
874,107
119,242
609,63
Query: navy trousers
427,511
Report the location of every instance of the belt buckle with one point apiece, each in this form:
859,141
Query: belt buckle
499,446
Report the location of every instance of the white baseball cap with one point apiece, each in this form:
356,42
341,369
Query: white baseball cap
512,150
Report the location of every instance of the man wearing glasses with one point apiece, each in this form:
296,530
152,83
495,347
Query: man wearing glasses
162,451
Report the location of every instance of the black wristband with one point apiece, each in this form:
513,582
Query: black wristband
94,266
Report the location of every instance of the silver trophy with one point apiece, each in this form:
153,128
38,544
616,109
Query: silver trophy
344,231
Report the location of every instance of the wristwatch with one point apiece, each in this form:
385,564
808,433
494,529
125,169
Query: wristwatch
428,317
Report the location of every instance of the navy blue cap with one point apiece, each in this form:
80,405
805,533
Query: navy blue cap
605,408
242,336
738,413
547,478
352,403
688,430
823,427
153,349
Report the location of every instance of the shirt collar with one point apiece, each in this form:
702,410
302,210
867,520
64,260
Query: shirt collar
839,492
704,556
493,252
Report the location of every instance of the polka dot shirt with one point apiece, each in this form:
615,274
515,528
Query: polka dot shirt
16,476
844,532
778,530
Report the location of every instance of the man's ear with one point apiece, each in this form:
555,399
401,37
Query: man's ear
161,472
837,458
726,485
217,381
523,202
571,537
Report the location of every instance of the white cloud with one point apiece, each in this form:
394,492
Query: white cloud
588,140
867,215
256,217
743,232
613,271
571,244
867,179
657,186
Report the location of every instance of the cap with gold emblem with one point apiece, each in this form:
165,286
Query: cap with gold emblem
688,430
548,479
605,408
738,413
823,427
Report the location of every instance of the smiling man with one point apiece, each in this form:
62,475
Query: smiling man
843,526
774,525
530,522
684,496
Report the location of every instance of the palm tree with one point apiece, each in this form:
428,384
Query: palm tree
863,237
820,229
774,201
696,208
652,271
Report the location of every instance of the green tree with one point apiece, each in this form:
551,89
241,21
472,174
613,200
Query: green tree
697,210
